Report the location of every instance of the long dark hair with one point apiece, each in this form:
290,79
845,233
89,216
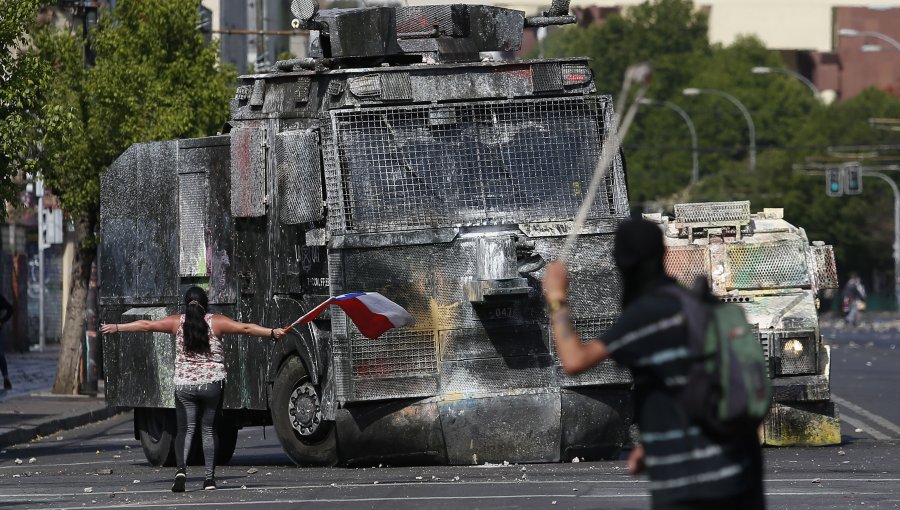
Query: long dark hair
196,330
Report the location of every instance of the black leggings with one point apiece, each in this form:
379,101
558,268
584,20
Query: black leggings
202,401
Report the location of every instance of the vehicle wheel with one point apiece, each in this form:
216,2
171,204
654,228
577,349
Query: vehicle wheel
156,429
297,418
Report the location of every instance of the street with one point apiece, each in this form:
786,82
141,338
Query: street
103,466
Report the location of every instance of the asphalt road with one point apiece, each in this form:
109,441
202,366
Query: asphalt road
102,466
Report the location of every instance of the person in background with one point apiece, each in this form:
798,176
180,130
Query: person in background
854,301
199,373
6,311
688,468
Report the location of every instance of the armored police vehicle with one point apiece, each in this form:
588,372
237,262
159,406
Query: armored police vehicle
400,158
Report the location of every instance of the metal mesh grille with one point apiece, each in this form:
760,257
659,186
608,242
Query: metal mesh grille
394,354
607,372
686,263
713,212
422,19
299,176
484,163
493,374
248,173
546,77
395,86
767,350
824,269
192,197
401,387
767,265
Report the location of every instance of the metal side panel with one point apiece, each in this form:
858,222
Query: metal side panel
145,364
220,258
514,428
246,363
299,177
248,172
193,193
139,245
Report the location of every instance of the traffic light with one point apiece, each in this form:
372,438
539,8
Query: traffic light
834,181
853,175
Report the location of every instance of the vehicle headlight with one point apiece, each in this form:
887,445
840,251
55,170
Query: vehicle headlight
796,355
792,348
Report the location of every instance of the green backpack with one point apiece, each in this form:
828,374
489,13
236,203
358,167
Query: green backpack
728,391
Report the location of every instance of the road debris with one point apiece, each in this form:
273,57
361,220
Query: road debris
18,461
88,489
104,471
252,471
32,460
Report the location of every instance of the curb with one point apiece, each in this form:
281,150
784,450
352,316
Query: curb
54,424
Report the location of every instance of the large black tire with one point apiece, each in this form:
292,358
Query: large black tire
228,434
312,442
156,429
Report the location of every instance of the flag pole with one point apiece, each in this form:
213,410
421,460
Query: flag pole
641,74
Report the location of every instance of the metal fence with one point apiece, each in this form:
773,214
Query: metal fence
496,162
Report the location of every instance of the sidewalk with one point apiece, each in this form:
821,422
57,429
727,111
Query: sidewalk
29,410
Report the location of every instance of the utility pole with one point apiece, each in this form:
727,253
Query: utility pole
260,26
39,192
896,191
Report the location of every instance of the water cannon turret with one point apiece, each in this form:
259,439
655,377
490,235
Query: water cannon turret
429,33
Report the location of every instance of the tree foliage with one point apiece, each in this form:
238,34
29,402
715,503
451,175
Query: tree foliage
154,78
26,118
791,127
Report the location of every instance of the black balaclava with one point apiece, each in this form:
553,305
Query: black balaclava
639,252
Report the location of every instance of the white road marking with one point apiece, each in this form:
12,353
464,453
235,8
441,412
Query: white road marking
865,427
192,504
883,422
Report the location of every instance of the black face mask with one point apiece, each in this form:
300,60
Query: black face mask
639,252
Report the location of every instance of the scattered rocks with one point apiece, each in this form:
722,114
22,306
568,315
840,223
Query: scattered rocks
136,481
252,471
243,487
32,460
104,471
88,489
816,480
576,459
842,453
18,461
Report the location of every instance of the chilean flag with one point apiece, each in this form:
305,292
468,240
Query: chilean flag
372,313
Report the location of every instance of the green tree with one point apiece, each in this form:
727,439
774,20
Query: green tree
25,118
154,78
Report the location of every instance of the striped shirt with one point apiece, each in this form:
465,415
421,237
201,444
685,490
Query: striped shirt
683,463
204,368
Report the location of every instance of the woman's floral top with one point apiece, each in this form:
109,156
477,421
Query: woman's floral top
193,368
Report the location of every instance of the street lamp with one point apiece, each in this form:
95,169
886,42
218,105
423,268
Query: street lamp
751,128
793,74
851,32
695,165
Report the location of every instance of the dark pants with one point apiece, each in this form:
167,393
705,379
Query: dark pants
192,403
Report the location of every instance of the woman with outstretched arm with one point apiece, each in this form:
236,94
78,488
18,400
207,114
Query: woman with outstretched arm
199,372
